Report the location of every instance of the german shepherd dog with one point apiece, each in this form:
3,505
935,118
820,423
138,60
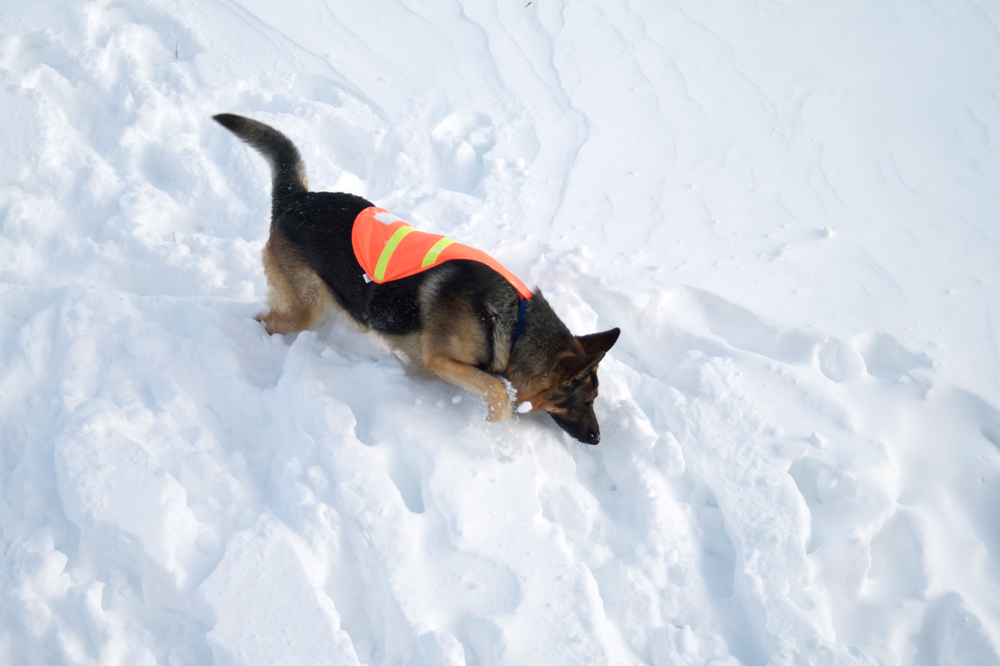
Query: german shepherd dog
459,319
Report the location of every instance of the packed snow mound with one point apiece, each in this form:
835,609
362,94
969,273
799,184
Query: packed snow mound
789,209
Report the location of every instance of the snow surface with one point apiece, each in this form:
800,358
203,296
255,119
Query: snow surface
790,208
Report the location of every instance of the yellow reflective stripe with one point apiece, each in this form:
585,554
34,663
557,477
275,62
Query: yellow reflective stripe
432,254
390,247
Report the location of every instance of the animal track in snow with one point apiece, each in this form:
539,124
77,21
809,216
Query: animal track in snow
460,141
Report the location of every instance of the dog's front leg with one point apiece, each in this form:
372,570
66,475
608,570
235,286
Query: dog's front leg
475,380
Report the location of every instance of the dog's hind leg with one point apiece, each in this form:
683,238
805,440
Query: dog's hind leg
298,297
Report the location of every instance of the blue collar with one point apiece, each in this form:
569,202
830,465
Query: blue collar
522,311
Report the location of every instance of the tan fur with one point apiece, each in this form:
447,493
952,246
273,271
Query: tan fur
453,344
298,297
410,349
539,395
449,348
475,380
539,389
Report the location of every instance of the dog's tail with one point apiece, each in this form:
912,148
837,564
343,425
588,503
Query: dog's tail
288,172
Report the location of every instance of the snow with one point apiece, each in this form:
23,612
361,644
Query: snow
789,208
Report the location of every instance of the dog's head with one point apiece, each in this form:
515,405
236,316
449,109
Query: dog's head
571,386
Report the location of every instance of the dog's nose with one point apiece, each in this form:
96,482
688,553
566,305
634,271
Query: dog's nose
593,437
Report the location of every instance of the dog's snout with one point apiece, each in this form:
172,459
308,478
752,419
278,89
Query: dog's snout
593,437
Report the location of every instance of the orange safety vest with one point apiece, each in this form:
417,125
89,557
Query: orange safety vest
389,249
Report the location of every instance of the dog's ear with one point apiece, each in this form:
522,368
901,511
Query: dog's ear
574,368
599,342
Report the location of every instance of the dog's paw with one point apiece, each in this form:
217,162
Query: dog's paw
262,318
500,411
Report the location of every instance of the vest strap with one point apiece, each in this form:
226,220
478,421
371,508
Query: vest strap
522,312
